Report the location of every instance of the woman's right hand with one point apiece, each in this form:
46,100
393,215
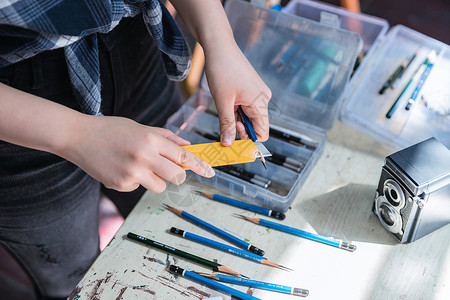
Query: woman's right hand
122,154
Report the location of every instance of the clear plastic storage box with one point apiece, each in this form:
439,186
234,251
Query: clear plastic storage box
307,65
363,107
371,29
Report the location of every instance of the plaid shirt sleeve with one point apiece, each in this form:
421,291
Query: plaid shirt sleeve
28,27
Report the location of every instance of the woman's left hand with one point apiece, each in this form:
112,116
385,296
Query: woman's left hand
233,82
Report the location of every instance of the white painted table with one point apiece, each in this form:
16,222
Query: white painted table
336,200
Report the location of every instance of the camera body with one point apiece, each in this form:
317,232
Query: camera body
413,194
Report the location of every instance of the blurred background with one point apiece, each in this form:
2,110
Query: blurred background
430,17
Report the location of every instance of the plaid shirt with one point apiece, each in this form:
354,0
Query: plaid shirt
28,27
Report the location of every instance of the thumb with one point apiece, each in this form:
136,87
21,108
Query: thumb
227,121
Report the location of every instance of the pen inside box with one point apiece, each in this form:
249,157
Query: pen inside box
278,180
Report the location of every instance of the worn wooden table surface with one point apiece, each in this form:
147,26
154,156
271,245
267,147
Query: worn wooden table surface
335,200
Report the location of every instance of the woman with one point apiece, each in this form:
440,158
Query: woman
79,81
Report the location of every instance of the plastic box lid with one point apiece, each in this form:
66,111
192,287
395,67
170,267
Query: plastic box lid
372,29
306,64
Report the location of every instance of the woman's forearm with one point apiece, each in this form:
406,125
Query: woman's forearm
207,22
34,122
119,152
232,80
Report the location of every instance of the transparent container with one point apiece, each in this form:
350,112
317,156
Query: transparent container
429,116
384,50
371,29
307,65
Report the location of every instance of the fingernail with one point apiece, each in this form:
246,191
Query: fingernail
227,139
210,172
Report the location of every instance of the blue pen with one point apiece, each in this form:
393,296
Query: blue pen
250,132
424,76
211,283
229,237
226,248
258,284
244,205
308,235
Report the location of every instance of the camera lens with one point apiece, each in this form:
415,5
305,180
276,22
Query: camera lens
387,214
394,193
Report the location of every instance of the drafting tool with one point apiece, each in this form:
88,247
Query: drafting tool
308,235
208,263
229,237
241,151
251,133
403,71
241,170
258,284
393,77
211,283
414,79
296,140
288,160
230,249
277,159
244,205
247,176
422,80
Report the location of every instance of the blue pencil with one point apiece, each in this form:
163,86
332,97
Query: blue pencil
226,248
258,284
244,205
424,76
229,237
308,235
211,283
414,79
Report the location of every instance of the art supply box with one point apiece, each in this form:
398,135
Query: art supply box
307,65
384,50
